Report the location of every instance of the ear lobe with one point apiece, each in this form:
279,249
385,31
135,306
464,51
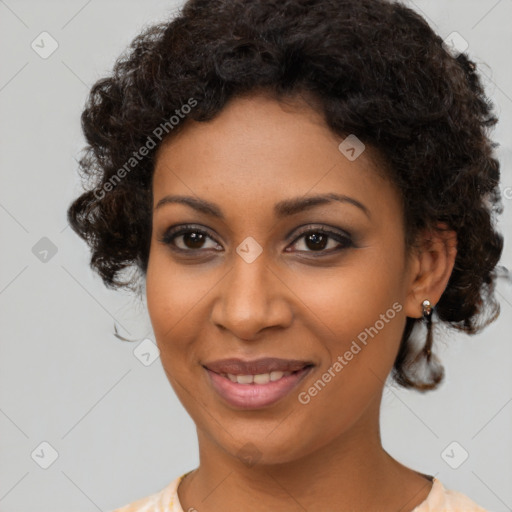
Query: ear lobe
432,265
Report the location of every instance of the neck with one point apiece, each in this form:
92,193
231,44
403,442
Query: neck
351,472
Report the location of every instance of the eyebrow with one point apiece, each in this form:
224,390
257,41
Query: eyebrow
284,208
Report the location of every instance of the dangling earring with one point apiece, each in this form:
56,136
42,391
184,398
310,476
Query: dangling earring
427,318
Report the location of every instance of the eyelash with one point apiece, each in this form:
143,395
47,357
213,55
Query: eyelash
344,239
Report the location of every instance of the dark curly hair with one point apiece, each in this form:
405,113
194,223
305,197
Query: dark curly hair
374,68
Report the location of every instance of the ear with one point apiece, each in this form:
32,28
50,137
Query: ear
431,264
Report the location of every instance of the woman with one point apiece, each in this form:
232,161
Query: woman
302,186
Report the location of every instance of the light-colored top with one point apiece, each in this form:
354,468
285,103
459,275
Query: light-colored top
438,500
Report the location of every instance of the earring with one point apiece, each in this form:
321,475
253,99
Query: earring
427,317
427,308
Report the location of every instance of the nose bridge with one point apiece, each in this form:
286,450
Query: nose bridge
251,297
250,276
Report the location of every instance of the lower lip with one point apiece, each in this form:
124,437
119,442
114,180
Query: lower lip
255,396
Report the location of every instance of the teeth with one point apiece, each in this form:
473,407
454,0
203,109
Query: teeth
262,378
244,379
276,375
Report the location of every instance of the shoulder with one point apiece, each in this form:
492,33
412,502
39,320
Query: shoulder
165,500
446,500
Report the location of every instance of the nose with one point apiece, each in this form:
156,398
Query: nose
250,298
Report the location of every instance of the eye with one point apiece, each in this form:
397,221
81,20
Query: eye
190,238
318,239
187,239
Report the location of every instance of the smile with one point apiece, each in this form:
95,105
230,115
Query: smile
258,390
261,378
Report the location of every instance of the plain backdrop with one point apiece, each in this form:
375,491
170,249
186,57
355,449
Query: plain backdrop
85,424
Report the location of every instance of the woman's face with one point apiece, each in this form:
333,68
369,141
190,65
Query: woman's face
323,287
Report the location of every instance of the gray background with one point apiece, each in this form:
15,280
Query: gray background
117,427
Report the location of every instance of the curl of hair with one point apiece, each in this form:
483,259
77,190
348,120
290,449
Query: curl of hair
373,68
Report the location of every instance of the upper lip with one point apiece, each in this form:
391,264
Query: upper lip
236,366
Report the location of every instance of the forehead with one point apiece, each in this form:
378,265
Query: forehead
258,148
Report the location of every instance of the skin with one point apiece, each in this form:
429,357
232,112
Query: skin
287,303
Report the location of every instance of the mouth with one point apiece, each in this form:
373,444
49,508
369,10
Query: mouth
256,384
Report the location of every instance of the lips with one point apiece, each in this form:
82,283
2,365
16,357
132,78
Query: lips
256,367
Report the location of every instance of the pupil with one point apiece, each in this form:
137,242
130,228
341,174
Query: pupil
193,239
319,241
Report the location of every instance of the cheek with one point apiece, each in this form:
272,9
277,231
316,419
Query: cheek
360,316
166,299
361,320
169,291
354,296
176,298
